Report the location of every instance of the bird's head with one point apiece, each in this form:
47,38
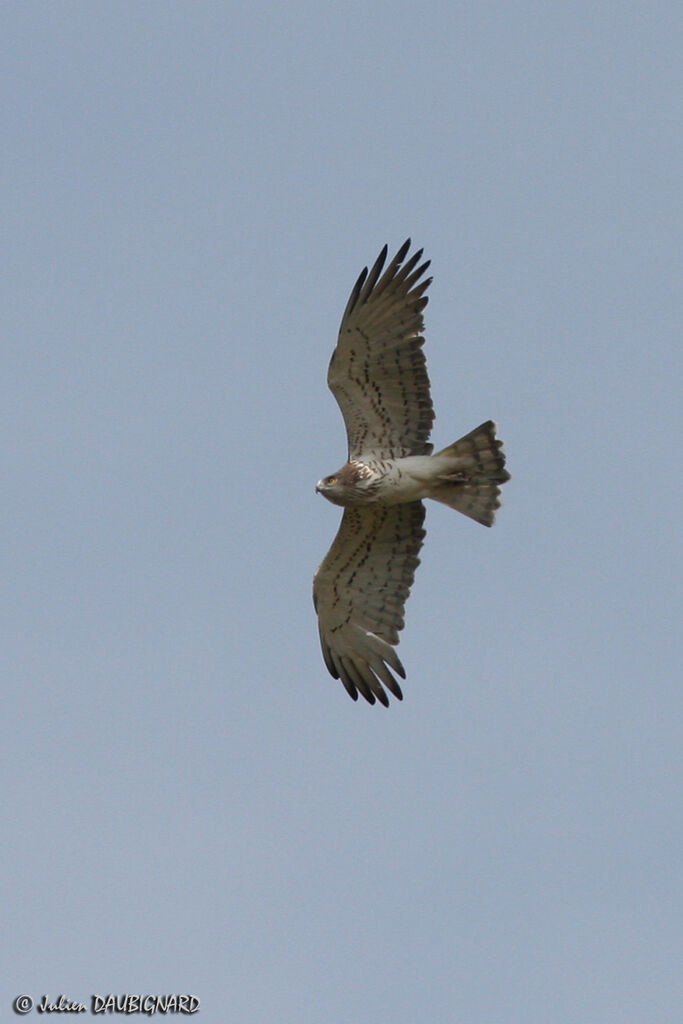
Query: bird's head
333,488
345,487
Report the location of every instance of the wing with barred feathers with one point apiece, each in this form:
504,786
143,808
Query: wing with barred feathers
378,372
359,593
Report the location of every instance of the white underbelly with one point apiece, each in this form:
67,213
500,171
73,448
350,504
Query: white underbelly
406,479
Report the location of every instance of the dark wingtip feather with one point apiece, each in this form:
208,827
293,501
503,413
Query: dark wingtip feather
355,292
382,697
393,687
373,276
349,687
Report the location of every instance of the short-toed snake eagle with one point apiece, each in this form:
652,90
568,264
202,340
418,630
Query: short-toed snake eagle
378,375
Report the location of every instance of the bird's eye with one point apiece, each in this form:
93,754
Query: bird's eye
331,480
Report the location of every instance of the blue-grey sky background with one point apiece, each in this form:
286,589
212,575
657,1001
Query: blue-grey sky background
191,803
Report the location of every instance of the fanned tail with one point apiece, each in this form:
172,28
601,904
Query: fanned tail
473,470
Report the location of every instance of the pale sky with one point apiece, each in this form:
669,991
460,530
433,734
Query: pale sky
192,804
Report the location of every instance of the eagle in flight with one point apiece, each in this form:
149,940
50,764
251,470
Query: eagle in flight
378,374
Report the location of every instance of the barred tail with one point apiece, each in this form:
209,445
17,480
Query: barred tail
473,469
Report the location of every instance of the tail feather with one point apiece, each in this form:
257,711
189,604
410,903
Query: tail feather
473,469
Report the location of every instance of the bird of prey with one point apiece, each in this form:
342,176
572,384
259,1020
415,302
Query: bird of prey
378,375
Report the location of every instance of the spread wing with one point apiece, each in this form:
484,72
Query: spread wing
378,372
359,593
